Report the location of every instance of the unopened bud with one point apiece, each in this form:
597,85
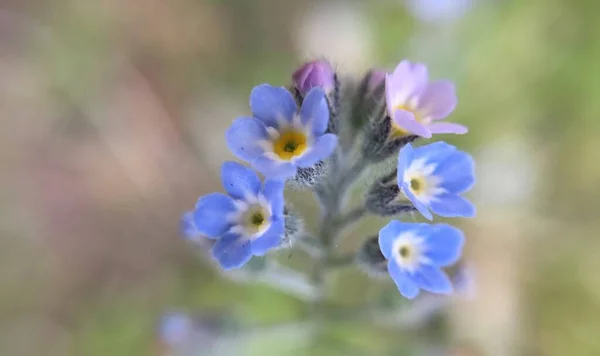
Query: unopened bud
318,73
385,199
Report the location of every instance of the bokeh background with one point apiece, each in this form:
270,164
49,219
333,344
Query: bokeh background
112,115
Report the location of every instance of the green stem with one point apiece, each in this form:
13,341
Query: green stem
352,216
341,261
331,196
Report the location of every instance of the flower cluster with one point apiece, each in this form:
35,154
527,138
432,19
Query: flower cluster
299,136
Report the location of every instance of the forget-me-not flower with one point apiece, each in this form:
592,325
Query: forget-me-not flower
278,139
416,253
433,176
249,221
414,103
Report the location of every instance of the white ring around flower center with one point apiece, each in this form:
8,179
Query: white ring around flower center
407,251
283,127
251,218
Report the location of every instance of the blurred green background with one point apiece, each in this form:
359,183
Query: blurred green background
112,121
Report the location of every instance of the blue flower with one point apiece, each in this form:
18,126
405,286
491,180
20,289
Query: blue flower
249,221
432,177
415,253
279,139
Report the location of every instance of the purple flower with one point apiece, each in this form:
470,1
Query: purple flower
317,73
415,104
279,139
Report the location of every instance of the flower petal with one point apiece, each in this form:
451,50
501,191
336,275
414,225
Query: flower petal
315,111
405,157
416,202
444,244
457,173
272,105
243,137
447,128
408,80
403,280
273,169
432,279
389,233
435,153
269,239
188,227
273,192
438,99
406,120
232,251
239,181
210,212
452,206
321,149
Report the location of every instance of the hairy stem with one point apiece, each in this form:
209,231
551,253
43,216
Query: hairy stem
352,216
331,196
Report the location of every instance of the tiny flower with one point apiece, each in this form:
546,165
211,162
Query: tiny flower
414,103
317,73
249,221
416,253
433,176
278,139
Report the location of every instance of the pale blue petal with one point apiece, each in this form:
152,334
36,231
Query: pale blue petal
273,169
432,279
416,202
270,104
405,157
270,239
273,191
232,251
188,227
243,136
321,149
389,233
457,172
452,206
315,111
403,280
443,244
210,212
239,181
435,153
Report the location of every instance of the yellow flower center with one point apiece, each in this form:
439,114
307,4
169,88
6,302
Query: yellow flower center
397,130
417,185
256,219
404,251
408,254
290,144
